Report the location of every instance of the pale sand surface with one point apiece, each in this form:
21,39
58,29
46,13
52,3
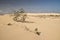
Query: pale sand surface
49,28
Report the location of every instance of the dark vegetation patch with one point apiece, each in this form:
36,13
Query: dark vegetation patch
38,33
20,15
35,31
9,24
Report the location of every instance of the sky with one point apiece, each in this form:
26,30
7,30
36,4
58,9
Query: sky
35,6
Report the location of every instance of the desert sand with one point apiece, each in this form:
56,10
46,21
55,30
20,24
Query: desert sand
49,28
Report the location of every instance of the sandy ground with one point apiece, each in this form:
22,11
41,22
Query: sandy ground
49,28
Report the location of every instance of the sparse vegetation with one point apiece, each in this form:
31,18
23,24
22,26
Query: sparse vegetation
9,24
20,15
47,16
36,31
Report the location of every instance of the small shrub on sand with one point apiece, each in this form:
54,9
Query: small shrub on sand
9,24
20,16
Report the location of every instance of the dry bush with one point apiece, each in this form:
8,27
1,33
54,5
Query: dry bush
9,24
20,16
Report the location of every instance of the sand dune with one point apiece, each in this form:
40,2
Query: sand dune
49,28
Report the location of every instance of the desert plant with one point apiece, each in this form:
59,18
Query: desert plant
36,31
9,24
20,16
21,10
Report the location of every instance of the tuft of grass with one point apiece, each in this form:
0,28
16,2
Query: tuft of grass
38,33
9,24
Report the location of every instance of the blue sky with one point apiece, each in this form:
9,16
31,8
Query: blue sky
30,5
